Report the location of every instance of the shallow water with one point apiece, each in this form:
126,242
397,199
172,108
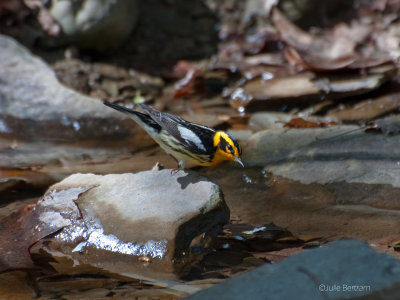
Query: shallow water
254,195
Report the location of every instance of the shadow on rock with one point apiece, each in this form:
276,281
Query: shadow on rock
189,177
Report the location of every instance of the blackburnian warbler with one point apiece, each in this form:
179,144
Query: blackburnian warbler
185,141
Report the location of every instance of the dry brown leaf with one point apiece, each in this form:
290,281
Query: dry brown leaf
275,256
388,126
334,49
17,234
301,123
22,229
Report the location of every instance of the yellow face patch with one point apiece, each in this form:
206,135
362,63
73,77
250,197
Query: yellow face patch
221,138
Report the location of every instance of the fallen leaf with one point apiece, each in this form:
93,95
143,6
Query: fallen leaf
290,33
289,240
302,60
181,68
22,229
269,59
301,123
17,234
275,256
388,126
318,63
308,238
369,109
291,86
331,50
183,86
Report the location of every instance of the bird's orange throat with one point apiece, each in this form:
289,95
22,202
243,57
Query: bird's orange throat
221,156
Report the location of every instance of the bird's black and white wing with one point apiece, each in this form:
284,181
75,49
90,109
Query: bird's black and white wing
195,137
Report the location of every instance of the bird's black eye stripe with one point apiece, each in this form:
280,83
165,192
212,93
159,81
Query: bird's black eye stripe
223,143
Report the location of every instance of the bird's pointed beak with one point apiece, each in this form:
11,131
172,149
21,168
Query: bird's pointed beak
237,159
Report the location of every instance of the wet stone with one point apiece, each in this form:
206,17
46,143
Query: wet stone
340,270
354,166
136,225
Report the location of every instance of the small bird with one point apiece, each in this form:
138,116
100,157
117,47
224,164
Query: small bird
185,141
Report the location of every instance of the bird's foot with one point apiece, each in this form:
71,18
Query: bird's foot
174,171
180,167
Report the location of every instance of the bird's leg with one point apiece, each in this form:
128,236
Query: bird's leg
181,166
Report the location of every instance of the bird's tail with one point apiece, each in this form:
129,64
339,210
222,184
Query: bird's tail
120,108
142,119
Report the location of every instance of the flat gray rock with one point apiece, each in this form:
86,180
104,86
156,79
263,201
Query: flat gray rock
342,269
34,104
350,166
136,225
326,155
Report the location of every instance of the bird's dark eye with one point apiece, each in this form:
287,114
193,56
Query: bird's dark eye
230,149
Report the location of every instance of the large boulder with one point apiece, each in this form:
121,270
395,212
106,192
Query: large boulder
139,225
96,24
34,105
